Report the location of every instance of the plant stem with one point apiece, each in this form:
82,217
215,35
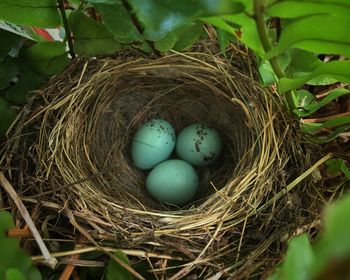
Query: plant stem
66,28
264,37
259,10
139,26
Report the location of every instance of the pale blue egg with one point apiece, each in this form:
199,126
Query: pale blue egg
173,181
153,143
198,144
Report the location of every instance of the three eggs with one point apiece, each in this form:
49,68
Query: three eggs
174,181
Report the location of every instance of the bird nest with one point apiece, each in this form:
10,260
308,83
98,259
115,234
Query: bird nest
71,153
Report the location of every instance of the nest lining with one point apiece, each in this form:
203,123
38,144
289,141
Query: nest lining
81,158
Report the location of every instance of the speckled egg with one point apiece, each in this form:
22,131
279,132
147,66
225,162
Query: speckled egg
153,143
173,181
198,144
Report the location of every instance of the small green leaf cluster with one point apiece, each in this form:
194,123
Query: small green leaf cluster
23,69
25,64
116,271
326,259
148,25
14,263
310,29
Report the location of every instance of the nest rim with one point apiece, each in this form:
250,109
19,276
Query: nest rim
272,130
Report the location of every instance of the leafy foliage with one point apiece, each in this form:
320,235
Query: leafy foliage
339,124
118,21
27,80
15,264
7,116
9,41
41,13
314,38
224,39
309,105
300,8
46,58
116,271
180,39
91,37
159,17
338,165
24,69
299,248
304,261
338,70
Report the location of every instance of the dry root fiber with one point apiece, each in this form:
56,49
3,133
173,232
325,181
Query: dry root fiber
72,153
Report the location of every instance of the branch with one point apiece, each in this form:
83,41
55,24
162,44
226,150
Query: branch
66,28
265,41
264,37
139,26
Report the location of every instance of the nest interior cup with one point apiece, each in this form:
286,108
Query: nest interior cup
100,116
81,160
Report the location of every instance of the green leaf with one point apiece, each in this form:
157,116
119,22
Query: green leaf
336,239
159,17
75,3
9,41
33,273
116,271
145,47
167,42
319,34
180,39
221,23
267,74
329,257
118,21
300,8
14,274
304,98
333,247
331,136
308,105
6,221
338,125
27,81
7,116
339,70
247,33
46,58
322,81
91,37
8,71
301,63
14,262
224,39
298,262
338,165
189,36
313,128
299,259
40,13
